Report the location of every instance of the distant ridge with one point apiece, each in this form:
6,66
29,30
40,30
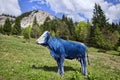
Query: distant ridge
40,16
27,18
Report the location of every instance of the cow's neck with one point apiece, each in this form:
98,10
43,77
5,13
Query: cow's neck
51,42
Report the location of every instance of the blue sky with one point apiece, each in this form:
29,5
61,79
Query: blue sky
78,10
28,5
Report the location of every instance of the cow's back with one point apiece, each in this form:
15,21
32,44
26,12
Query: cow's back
73,49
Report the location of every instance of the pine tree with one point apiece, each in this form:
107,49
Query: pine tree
64,18
99,23
17,27
7,27
99,17
98,38
35,31
62,30
1,29
70,26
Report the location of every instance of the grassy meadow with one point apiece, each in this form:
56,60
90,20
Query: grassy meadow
20,60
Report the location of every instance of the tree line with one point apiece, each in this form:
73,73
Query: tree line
98,33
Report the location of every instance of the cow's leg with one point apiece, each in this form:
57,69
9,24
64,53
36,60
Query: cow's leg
60,63
62,66
83,64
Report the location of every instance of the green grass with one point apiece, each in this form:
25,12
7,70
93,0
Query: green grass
29,61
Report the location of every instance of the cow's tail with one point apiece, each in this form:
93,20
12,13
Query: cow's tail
87,57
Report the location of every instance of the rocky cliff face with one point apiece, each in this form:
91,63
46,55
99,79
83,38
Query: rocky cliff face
40,17
4,17
27,19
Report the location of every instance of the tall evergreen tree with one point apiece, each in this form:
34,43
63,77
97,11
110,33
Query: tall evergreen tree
99,23
98,38
1,29
7,27
99,17
103,34
70,26
64,18
35,31
17,27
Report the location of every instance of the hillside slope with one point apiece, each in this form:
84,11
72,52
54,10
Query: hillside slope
29,61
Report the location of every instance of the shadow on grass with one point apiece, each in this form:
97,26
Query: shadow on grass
52,68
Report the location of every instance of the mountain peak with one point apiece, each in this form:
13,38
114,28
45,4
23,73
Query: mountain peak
27,18
40,17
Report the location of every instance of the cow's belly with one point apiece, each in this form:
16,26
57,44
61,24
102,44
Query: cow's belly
69,57
72,53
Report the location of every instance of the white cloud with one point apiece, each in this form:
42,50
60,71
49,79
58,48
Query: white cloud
113,12
36,7
39,1
73,8
10,7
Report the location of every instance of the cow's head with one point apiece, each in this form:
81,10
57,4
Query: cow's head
42,40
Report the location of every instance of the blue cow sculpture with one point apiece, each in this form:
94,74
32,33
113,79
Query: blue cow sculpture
62,49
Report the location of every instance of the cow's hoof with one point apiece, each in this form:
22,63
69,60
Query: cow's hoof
86,74
62,74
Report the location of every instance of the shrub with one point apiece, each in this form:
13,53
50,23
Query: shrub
26,33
